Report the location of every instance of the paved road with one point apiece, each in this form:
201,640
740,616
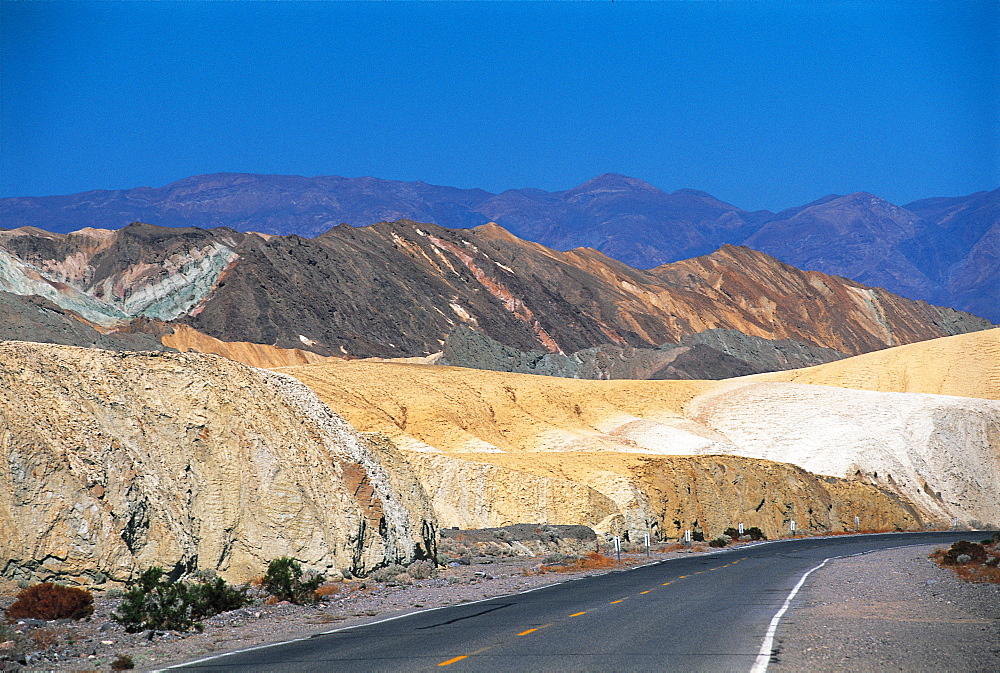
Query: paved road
705,613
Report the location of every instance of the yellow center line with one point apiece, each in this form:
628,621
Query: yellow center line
617,601
644,592
683,576
453,660
577,614
666,584
524,633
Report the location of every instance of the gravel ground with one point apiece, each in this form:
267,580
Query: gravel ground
93,644
894,610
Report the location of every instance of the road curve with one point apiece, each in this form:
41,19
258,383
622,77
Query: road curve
707,612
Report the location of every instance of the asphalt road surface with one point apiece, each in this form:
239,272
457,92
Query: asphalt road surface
704,613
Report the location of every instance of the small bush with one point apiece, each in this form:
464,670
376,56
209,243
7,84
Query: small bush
733,533
719,542
327,590
285,581
388,573
422,570
754,533
974,551
123,663
697,536
156,602
51,601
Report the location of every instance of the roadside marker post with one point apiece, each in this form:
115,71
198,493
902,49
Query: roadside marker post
618,548
647,545
954,523
687,537
857,524
741,530
792,524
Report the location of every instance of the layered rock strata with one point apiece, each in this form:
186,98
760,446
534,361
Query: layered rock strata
399,289
112,462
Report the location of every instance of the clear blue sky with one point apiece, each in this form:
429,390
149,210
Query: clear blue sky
763,104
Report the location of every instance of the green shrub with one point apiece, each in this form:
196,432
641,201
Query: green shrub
974,551
286,582
388,573
719,542
733,533
697,536
51,601
754,533
421,570
156,602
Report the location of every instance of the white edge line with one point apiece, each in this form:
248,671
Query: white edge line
774,621
764,655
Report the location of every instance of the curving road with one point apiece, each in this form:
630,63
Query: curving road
705,613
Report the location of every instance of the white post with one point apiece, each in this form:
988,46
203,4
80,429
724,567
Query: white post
687,536
647,544
741,530
792,523
618,548
857,524
954,522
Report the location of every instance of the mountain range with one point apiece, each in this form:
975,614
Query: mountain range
942,250
407,289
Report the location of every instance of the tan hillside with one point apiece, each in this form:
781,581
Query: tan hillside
939,453
456,409
966,365
185,339
111,462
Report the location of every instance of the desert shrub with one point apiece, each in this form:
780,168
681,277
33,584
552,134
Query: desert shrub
123,663
552,559
51,601
443,559
422,570
285,581
156,602
697,536
733,533
719,542
388,573
754,533
327,590
974,551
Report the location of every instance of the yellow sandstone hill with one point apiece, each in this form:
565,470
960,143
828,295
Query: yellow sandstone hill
112,462
965,365
545,438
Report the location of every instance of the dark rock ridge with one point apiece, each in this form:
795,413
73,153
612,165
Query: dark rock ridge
32,318
399,289
712,354
942,250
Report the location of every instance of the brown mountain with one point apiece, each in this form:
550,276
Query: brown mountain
399,289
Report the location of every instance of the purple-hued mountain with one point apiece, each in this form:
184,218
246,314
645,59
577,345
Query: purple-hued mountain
943,250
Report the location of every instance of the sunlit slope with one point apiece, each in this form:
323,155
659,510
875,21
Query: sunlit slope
455,409
965,365
939,452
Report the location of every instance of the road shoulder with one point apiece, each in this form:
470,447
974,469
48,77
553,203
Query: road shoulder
890,610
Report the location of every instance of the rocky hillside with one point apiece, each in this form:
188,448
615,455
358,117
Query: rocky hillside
399,289
936,249
571,447
111,462
712,354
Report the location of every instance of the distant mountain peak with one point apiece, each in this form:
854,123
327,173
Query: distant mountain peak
614,182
